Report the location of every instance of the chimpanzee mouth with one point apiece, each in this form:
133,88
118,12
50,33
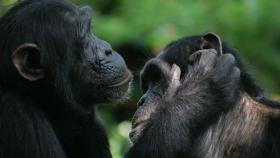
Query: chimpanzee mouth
137,123
137,128
141,119
125,80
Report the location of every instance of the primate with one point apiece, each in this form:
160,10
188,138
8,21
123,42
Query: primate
53,72
215,109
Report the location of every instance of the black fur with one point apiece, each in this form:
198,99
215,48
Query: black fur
53,72
221,112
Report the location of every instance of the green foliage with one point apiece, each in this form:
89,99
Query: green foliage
250,26
117,130
5,4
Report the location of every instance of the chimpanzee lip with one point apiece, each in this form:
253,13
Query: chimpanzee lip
137,123
134,133
127,78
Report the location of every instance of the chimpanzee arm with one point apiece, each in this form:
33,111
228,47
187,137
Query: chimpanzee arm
25,132
208,89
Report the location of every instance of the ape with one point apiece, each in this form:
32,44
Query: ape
215,109
53,72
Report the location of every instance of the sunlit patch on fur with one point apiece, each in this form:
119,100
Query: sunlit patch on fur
230,138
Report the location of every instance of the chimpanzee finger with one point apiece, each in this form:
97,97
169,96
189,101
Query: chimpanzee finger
204,59
224,67
208,60
234,76
174,82
197,55
194,57
230,85
236,73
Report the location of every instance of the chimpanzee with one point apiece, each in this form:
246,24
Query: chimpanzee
53,72
214,110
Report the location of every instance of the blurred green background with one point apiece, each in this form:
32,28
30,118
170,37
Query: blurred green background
139,29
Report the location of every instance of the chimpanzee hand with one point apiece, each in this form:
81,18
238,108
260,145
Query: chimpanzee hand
209,71
224,76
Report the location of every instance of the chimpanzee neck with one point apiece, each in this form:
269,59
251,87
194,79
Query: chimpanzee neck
250,85
48,102
67,122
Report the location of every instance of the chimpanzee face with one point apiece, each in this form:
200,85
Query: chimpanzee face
55,49
98,67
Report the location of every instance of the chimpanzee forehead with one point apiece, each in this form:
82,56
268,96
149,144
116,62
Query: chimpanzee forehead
43,10
83,20
50,17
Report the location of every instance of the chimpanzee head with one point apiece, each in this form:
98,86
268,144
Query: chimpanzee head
155,75
47,50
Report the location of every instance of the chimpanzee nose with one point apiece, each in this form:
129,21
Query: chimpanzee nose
105,55
108,52
104,51
142,100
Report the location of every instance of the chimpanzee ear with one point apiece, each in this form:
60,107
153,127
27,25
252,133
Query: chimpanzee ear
212,40
26,59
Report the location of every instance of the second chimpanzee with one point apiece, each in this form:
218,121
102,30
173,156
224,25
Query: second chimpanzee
53,72
214,110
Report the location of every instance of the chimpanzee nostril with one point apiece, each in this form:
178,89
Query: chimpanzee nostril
108,52
141,102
